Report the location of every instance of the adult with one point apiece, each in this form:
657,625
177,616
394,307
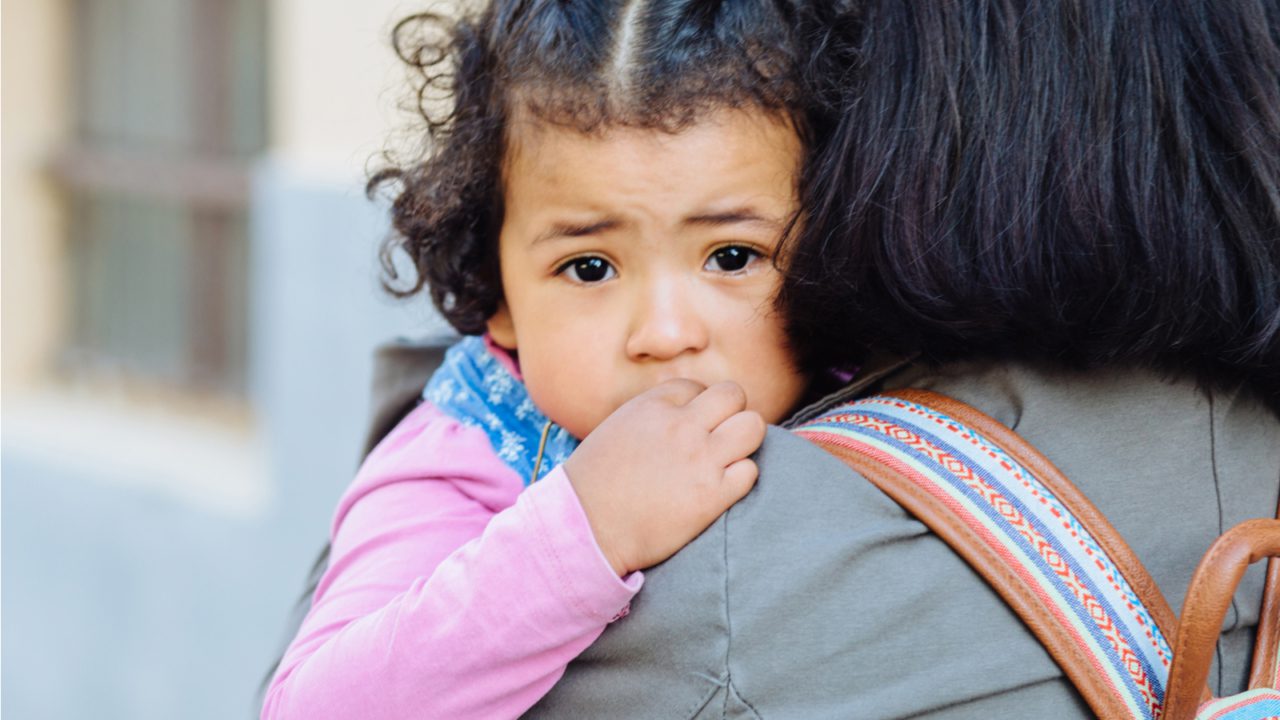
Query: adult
1065,214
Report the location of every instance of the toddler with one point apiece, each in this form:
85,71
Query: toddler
599,210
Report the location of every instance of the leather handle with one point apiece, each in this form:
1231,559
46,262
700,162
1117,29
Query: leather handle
1208,597
1266,649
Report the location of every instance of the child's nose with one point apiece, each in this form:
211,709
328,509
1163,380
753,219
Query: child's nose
667,322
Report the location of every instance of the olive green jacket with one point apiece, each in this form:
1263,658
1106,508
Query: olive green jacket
818,597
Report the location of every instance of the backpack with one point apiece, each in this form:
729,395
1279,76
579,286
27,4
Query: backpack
1057,561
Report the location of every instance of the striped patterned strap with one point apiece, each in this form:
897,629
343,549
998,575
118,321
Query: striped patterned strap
1261,703
1037,541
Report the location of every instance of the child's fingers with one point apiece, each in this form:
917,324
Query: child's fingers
678,392
739,478
717,403
738,436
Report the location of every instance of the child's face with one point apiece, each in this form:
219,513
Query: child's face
636,256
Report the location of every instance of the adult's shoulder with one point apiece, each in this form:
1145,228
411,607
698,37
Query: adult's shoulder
1141,445
814,596
842,604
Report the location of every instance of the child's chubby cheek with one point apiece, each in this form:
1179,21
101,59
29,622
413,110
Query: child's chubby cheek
572,399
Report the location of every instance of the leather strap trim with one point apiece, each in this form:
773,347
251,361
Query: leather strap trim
1078,667
1266,649
1070,496
1212,587
1265,672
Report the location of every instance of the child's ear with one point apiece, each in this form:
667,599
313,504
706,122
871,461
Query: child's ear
501,329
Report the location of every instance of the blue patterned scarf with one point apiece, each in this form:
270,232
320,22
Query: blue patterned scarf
473,387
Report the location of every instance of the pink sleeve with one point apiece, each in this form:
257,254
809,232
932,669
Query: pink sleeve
435,605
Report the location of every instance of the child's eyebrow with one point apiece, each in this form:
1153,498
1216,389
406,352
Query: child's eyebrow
571,230
731,217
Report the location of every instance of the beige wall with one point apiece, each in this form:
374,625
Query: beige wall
36,119
336,84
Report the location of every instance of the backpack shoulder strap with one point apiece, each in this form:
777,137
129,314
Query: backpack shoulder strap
1212,587
1004,508
1266,652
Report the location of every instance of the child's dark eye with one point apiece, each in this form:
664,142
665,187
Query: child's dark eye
731,259
587,270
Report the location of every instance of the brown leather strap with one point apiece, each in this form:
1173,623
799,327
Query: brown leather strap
1266,649
1212,587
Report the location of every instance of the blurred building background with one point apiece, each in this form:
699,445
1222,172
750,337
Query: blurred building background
190,300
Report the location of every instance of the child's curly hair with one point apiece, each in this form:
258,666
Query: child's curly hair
584,64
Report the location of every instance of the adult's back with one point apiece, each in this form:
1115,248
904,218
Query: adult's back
817,596
1068,216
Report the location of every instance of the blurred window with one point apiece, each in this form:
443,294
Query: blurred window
171,108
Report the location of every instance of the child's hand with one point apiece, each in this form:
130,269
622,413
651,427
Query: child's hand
663,467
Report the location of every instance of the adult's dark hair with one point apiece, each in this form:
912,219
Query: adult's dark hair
585,64
1090,183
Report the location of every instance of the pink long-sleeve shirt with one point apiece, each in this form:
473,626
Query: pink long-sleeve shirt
452,590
